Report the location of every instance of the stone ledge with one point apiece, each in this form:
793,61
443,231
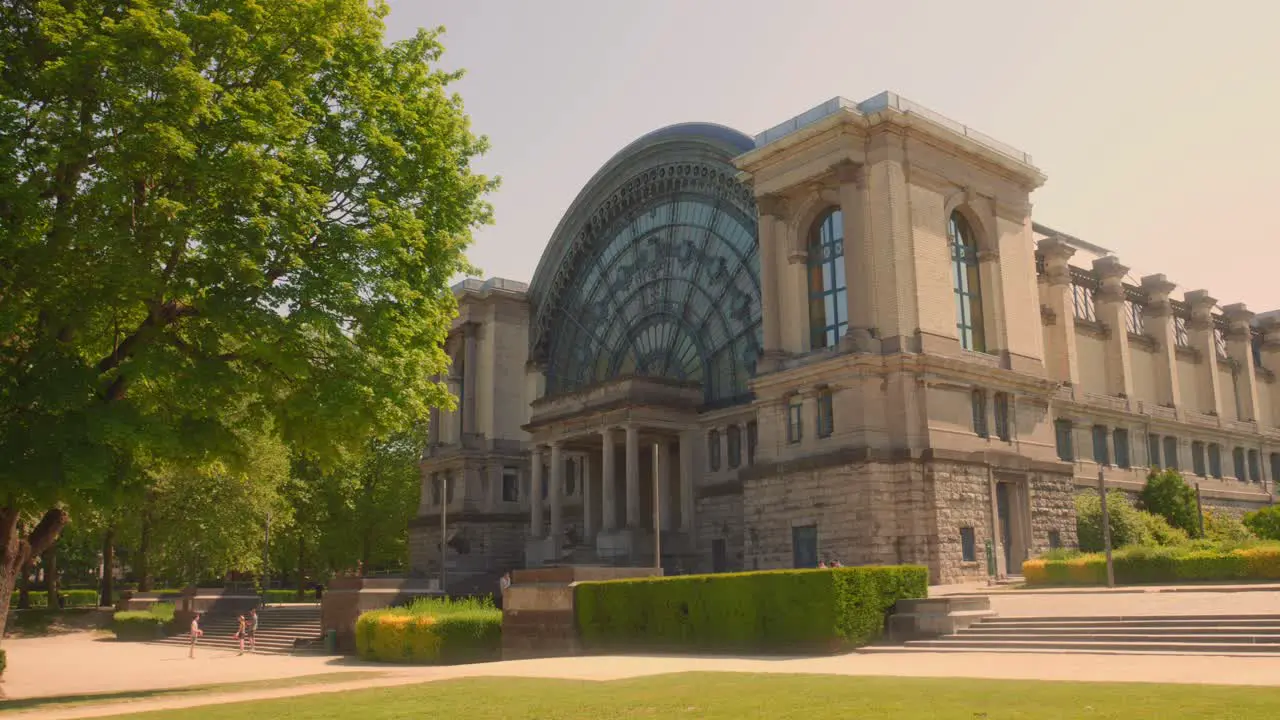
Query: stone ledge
935,617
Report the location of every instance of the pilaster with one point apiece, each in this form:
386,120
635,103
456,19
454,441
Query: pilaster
772,211
662,476
535,493
633,477
1060,356
861,336
1200,331
688,443
1110,307
470,368
555,492
892,247
1240,353
608,482
1159,321
1270,328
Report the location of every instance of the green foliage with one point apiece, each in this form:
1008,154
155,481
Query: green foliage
1166,494
4,660
1128,526
142,624
1264,523
1200,561
287,596
1159,531
772,611
1223,527
436,631
71,598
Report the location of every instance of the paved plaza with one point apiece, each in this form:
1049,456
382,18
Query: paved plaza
84,663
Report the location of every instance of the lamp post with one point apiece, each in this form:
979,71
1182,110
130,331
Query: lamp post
444,525
266,558
657,510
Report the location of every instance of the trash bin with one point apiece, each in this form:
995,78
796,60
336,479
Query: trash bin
331,641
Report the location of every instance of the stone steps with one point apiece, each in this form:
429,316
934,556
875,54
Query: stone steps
1172,634
279,630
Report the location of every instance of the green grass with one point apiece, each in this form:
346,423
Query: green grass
68,701
731,695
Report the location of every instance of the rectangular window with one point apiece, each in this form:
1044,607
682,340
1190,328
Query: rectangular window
1255,466
826,414
719,556
1171,452
795,419
713,450
510,484
1238,456
804,546
1055,539
1215,460
448,487
1062,434
1197,458
753,438
1153,451
435,488
1120,439
979,402
1002,416
1100,451
968,545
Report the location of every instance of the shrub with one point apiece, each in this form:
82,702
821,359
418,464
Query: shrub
70,598
1128,526
432,631
783,610
3,661
1264,523
1223,527
1195,562
1166,494
288,596
142,624
1160,531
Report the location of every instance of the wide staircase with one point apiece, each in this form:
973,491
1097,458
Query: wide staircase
279,629
1163,634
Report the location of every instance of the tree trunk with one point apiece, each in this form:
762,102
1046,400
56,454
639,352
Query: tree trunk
51,586
24,585
107,589
14,549
366,545
142,561
302,575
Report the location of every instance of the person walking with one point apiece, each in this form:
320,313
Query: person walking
195,633
253,630
240,633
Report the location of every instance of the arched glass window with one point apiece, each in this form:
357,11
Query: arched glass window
828,308
713,449
735,446
968,288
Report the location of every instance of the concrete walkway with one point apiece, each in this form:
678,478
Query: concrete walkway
1142,600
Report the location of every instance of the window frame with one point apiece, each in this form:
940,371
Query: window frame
1254,459
827,285
1063,431
1153,451
1001,407
1238,463
1215,461
1198,466
795,419
968,545
1120,446
978,408
1171,453
515,485
966,283
733,435
713,449
825,413
1101,450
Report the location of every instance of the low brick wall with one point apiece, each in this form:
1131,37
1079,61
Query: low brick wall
346,598
537,610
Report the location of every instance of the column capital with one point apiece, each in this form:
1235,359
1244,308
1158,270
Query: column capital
1157,288
1109,269
1056,254
1238,315
1201,302
848,172
774,206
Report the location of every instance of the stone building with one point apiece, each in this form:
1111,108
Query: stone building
842,338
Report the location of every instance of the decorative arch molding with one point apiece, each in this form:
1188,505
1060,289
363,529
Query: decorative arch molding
655,270
969,204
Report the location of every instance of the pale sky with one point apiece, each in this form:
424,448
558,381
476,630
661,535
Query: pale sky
1156,122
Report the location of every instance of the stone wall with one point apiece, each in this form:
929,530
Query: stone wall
480,551
719,517
962,497
1053,507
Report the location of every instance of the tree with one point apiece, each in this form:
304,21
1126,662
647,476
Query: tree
1265,523
1128,524
213,210
1166,494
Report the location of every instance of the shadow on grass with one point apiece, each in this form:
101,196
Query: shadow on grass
54,701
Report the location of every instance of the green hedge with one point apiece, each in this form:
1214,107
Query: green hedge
142,624
770,611
1137,565
288,596
432,631
71,598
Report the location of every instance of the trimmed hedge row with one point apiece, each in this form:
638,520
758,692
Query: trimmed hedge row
1136,565
432,631
769,611
71,598
142,624
288,596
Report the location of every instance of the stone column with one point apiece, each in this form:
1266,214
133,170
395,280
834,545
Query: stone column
554,493
535,493
1159,320
470,365
687,472
590,476
608,482
1270,329
1060,355
1200,332
859,284
633,477
1240,350
771,210
1109,303
662,476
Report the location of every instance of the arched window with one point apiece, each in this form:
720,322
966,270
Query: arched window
964,277
735,446
828,308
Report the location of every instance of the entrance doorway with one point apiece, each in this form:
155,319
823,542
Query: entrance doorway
1013,515
1006,529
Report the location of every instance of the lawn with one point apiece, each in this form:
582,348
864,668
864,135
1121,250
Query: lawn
732,695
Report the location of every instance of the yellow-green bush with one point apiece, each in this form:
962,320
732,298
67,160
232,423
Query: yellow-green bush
771,611
142,624
1138,564
431,631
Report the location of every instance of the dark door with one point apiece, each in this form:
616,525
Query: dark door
1006,530
719,561
804,546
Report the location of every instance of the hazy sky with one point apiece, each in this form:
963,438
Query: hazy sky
1157,122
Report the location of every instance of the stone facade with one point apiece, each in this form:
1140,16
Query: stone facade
890,363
